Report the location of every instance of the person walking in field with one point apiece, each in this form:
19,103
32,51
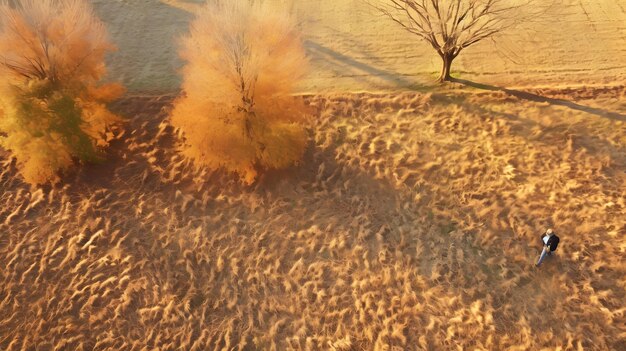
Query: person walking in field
550,243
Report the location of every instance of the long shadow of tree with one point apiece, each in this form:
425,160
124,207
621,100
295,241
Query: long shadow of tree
539,98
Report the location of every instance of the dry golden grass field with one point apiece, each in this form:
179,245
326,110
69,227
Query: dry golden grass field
352,48
412,224
413,221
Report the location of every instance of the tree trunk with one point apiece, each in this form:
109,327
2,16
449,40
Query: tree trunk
445,69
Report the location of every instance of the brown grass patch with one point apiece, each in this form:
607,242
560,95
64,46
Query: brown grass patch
413,224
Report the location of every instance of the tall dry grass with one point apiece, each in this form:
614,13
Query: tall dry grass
52,109
243,60
406,230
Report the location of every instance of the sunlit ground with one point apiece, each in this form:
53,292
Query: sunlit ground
412,223
352,48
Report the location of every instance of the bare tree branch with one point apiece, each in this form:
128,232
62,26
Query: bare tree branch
450,26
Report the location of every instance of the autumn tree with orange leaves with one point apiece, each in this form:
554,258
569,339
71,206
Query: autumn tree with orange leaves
237,111
53,111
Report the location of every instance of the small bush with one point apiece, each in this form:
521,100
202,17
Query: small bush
52,110
237,112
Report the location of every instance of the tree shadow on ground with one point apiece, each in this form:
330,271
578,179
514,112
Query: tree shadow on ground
523,127
346,64
145,60
539,98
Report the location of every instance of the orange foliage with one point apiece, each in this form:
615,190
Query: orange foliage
237,112
52,112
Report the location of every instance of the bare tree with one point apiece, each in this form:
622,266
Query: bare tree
451,25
